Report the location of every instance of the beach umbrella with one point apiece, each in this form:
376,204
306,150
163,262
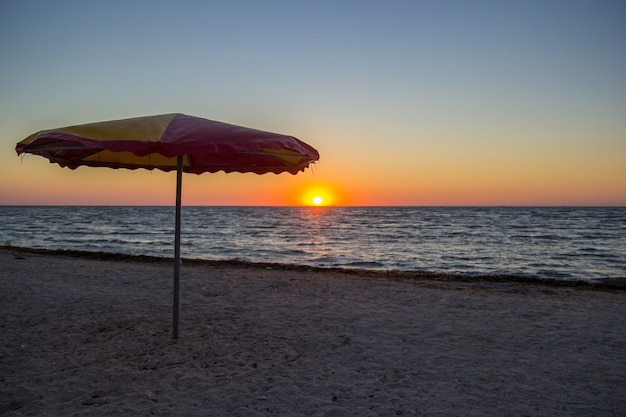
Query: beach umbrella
171,142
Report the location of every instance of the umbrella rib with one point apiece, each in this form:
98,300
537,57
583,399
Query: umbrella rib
57,148
53,145
245,168
88,154
50,153
281,157
294,155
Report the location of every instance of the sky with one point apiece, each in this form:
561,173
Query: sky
421,103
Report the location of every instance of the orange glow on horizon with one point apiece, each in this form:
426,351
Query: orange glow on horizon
422,185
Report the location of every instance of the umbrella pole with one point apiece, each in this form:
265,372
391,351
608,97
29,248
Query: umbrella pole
179,183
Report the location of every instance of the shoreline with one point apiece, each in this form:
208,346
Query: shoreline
87,336
618,283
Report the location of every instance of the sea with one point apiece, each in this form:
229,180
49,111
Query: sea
556,243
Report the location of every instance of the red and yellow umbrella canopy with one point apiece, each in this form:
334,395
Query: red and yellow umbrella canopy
155,142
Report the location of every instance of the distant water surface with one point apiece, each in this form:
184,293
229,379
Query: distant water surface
569,243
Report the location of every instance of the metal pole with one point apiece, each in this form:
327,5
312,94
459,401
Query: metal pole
179,184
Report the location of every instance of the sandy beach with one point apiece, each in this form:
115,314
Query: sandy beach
89,336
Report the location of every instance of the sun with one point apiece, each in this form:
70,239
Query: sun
316,195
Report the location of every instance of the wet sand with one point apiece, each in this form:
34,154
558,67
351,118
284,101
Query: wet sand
91,336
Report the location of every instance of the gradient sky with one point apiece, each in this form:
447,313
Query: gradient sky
434,102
